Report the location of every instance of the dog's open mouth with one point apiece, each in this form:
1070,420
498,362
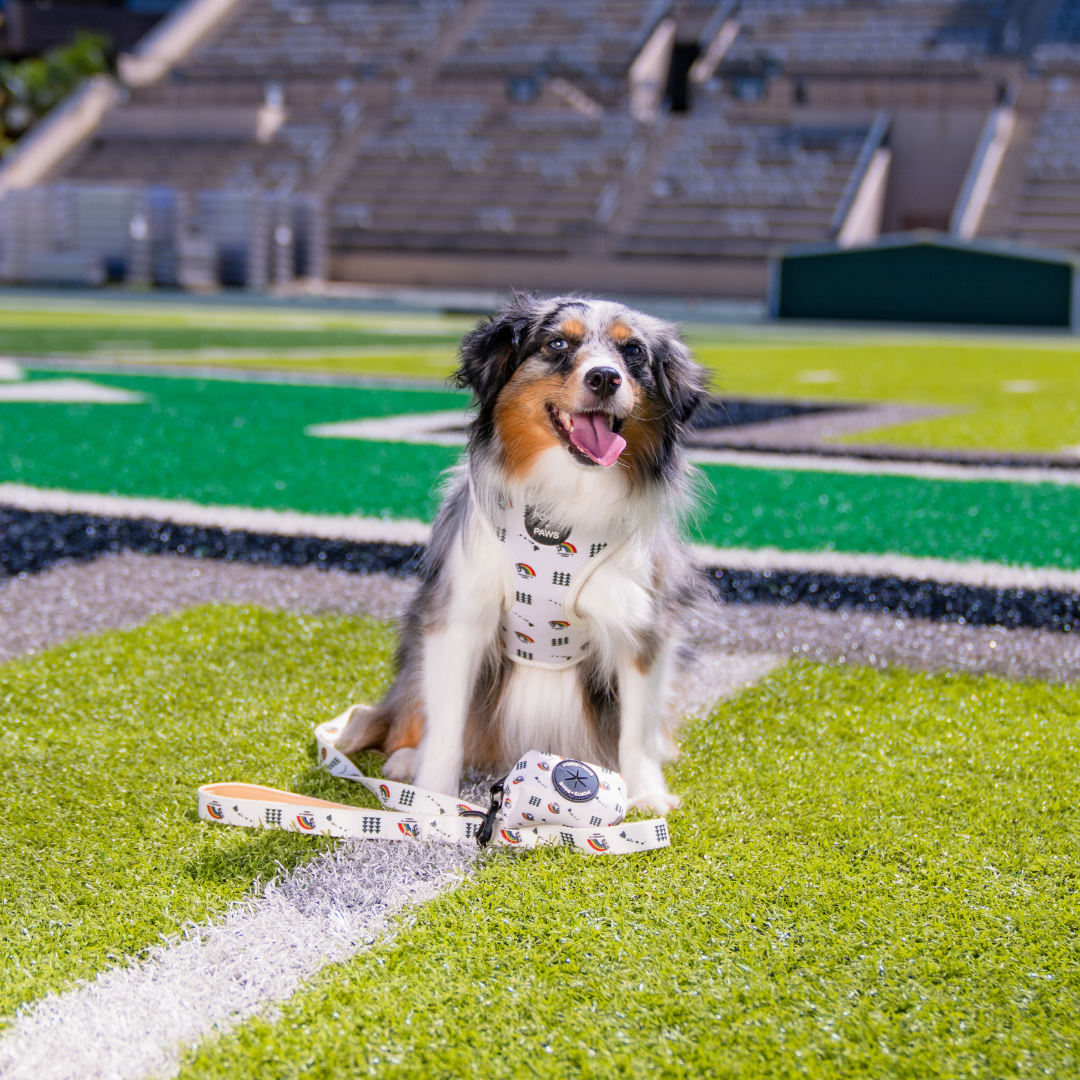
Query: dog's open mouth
592,437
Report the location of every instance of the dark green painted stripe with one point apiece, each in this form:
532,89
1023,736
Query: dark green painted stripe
1017,524
229,443
243,444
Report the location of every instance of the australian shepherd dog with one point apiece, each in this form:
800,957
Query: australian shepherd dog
555,590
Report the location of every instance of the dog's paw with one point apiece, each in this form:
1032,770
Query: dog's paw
659,802
400,765
361,731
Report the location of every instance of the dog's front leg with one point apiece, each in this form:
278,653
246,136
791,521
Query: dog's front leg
641,694
461,631
452,656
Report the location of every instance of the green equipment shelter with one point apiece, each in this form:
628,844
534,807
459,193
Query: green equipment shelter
927,277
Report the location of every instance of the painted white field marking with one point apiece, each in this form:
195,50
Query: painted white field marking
441,428
711,677
232,518
905,567
918,470
377,530
135,1021
9,370
67,390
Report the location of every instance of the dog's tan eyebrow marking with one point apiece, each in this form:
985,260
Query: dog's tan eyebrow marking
572,328
621,332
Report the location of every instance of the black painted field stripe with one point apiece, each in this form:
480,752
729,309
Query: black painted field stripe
975,605
32,541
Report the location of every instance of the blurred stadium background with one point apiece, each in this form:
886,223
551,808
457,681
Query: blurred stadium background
634,146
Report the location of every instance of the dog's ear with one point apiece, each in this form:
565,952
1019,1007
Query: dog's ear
491,353
680,380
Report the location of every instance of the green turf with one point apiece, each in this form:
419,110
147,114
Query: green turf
875,875
229,443
793,510
972,378
104,742
110,327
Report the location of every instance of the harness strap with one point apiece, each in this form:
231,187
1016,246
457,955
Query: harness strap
410,813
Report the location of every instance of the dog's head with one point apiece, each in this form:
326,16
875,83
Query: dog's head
606,385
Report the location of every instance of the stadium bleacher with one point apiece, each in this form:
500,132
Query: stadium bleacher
479,132
282,39
734,187
1046,210
816,35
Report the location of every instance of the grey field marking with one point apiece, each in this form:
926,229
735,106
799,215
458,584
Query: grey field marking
882,640
800,431
114,591
136,1021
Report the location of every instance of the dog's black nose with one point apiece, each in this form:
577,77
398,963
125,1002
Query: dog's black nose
603,381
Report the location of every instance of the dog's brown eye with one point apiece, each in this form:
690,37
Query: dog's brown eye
558,343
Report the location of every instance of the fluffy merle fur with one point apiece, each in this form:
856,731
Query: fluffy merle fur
649,501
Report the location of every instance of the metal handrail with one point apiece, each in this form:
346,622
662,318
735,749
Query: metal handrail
721,13
656,11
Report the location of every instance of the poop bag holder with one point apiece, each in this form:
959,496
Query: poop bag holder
544,800
544,789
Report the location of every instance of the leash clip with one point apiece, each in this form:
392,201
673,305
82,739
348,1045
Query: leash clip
487,830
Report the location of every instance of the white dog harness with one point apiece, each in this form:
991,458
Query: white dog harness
546,565
545,800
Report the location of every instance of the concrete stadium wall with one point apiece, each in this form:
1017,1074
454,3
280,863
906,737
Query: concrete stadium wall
735,278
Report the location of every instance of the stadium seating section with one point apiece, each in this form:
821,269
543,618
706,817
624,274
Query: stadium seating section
488,129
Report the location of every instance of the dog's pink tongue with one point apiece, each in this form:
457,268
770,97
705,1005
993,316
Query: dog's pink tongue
592,436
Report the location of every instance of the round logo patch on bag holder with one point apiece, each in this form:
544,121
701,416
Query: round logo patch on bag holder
576,781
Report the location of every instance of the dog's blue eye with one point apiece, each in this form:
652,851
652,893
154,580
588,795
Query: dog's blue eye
557,343
632,349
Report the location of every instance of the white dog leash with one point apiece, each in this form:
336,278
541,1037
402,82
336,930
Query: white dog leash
410,813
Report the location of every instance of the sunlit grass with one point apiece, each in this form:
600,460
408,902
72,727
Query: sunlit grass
874,876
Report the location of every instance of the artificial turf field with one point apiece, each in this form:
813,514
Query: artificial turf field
874,873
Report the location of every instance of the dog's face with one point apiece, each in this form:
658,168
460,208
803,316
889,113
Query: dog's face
603,384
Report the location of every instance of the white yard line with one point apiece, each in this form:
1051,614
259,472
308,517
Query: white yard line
918,470
135,1021
905,567
233,518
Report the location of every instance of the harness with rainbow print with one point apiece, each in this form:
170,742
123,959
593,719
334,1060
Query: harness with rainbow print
546,565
